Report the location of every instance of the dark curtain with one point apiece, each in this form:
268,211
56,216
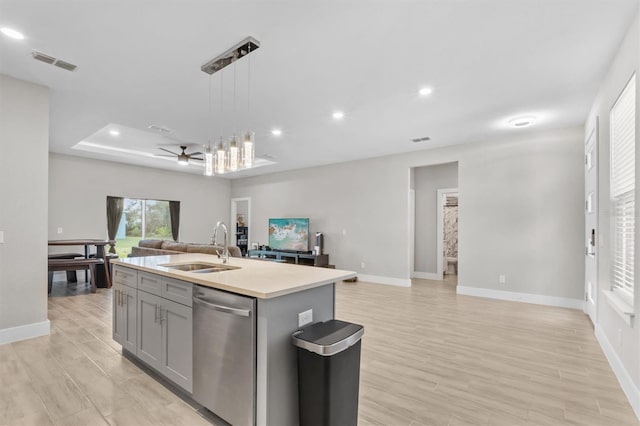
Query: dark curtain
174,211
115,205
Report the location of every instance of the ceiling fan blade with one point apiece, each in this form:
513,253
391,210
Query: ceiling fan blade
170,152
194,158
164,155
195,153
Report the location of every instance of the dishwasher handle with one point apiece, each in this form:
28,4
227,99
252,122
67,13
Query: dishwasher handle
225,309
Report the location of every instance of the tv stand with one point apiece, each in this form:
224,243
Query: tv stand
292,257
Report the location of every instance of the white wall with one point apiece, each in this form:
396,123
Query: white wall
24,144
78,188
532,182
624,356
427,181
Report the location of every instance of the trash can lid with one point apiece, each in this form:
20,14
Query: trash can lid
329,337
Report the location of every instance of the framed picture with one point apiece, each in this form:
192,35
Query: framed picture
240,220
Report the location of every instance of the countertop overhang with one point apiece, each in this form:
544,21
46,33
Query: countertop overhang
256,278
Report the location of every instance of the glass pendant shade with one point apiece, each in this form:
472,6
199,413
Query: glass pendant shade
208,162
247,150
221,159
234,155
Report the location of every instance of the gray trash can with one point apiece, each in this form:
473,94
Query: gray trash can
328,373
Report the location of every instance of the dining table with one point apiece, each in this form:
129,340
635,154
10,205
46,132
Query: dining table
101,252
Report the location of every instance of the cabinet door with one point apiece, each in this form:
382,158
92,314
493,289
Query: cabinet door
118,316
177,344
129,323
149,345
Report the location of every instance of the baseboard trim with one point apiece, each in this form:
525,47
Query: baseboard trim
23,332
426,275
626,382
513,296
377,279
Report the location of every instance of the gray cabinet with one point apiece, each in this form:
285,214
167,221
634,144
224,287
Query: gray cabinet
125,308
177,343
165,332
149,347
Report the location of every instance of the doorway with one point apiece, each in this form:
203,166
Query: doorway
427,184
241,223
447,223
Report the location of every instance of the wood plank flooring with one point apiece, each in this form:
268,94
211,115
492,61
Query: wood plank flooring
429,357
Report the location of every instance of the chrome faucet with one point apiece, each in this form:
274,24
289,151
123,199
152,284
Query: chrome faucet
225,252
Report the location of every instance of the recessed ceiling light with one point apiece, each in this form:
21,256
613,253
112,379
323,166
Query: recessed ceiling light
12,33
338,115
276,132
425,91
523,121
114,132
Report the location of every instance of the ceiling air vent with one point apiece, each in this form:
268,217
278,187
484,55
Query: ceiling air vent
424,139
51,60
42,57
160,129
65,65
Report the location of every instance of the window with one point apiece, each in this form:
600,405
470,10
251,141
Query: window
622,190
142,219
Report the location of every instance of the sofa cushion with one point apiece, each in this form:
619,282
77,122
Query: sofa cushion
203,248
156,244
170,245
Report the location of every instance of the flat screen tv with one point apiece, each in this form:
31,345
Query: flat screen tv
289,234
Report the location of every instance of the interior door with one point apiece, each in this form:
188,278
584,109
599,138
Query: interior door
591,221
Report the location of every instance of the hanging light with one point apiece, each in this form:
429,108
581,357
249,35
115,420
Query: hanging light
234,157
208,161
247,150
208,155
221,159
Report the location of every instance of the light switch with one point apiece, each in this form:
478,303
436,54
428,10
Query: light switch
1,237
59,229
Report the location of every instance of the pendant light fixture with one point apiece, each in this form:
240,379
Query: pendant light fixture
234,157
208,155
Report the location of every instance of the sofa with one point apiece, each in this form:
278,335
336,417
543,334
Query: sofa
162,247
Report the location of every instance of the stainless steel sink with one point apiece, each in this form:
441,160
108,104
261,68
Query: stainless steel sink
200,268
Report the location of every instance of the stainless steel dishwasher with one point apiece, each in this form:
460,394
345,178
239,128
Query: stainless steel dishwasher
224,354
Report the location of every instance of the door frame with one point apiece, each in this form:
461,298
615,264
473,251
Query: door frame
440,229
234,223
591,284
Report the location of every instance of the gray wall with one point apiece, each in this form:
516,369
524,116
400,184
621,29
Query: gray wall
609,323
78,188
520,195
24,144
521,215
427,181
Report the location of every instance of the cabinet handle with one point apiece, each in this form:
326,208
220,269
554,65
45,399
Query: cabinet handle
115,297
156,318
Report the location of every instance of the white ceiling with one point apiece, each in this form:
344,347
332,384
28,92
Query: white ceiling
139,64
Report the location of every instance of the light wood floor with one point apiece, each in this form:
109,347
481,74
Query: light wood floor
428,357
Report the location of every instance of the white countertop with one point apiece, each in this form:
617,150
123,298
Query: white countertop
256,278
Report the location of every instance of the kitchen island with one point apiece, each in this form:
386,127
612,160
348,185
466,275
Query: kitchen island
222,332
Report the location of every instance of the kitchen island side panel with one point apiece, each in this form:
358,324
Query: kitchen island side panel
277,362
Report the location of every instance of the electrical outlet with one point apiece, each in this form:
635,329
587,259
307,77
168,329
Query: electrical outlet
361,265
305,318
503,279
59,229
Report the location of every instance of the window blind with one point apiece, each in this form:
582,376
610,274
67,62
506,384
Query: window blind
623,163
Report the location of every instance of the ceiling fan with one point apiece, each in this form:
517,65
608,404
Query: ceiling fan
183,157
